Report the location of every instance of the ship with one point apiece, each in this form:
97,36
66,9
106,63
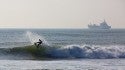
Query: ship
102,25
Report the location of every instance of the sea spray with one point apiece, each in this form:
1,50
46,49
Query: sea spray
33,37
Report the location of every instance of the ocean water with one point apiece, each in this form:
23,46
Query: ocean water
81,64
80,49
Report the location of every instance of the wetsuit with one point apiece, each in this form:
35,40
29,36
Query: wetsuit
39,43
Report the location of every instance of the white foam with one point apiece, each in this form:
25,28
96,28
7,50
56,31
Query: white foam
77,51
34,37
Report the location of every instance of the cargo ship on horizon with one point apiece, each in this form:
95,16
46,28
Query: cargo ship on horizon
102,25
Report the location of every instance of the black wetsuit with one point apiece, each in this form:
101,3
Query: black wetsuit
39,43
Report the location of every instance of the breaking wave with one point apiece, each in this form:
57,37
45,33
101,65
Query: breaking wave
92,52
61,52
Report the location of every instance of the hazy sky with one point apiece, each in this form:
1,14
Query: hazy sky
61,13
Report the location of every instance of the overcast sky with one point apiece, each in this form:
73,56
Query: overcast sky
61,13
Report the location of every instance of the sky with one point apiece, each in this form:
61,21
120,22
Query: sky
61,13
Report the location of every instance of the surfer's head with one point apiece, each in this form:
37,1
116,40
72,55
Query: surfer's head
39,40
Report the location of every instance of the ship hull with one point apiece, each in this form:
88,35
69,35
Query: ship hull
91,27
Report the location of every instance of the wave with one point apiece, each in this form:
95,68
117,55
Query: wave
63,52
48,51
90,52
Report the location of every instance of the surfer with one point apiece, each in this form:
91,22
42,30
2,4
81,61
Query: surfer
38,43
